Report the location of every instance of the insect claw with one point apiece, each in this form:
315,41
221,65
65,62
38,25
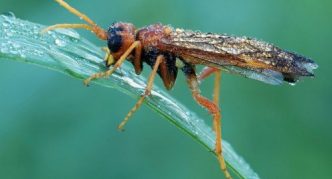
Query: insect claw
86,82
120,128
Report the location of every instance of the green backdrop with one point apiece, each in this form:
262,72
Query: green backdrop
51,126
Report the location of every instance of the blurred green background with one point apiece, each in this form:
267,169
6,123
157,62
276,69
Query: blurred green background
53,127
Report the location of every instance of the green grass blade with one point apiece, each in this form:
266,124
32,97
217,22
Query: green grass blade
67,52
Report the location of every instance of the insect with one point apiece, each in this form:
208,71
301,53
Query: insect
168,50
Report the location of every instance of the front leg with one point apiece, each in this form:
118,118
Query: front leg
93,27
147,91
116,65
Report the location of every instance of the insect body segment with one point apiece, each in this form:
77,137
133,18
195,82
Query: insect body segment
120,37
166,50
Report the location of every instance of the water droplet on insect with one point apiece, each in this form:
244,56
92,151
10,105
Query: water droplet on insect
60,43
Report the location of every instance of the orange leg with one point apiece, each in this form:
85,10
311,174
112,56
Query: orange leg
147,92
116,65
206,72
137,60
93,27
213,108
217,123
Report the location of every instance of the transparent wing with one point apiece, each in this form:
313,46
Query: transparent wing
266,76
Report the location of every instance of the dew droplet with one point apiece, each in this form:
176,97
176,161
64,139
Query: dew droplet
5,24
60,43
196,132
9,34
22,55
9,14
4,49
187,113
16,46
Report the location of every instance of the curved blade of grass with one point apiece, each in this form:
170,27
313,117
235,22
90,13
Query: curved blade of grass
66,52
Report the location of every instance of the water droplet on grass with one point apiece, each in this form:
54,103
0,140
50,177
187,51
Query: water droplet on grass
9,14
9,34
5,24
69,32
60,43
16,46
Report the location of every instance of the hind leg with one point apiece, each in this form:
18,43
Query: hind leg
206,72
213,108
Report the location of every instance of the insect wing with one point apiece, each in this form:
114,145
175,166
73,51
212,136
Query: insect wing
266,76
241,55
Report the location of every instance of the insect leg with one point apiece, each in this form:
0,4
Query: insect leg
213,108
216,89
116,65
207,71
217,125
147,91
137,60
164,74
100,33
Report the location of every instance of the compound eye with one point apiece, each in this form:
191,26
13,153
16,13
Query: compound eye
114,41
